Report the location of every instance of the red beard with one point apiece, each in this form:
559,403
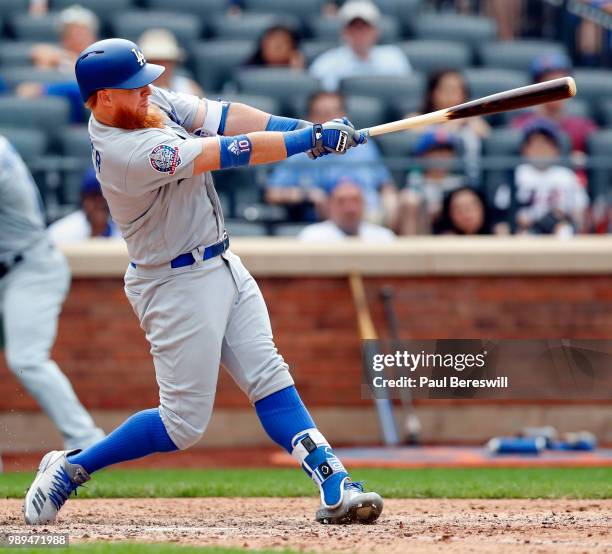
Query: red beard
126,119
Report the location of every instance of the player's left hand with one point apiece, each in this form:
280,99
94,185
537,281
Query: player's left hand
336,137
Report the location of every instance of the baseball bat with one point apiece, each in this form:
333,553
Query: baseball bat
367,331
514,99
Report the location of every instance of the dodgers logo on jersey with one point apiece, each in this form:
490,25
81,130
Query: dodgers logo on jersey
165,158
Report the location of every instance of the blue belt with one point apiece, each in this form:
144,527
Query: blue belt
183,260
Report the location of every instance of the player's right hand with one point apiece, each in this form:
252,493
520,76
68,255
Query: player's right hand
336,137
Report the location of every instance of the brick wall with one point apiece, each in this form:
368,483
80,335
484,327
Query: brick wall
103,351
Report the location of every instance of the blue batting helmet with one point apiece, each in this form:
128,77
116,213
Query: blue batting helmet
113,63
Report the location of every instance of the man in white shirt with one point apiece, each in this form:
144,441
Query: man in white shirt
360,55
346,209
92,220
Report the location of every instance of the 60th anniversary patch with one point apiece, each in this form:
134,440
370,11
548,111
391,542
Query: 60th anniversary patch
165,158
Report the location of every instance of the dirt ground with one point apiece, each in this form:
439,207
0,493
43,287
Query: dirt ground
416,526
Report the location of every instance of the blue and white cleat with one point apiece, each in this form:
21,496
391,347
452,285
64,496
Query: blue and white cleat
354,506
56,479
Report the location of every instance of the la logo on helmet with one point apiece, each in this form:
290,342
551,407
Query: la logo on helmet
139,56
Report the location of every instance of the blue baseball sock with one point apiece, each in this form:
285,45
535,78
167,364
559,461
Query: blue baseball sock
288,423
142,434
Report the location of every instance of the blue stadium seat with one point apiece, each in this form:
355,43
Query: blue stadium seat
239,228
15,53
30,143
261,102
312,49
517,54
44,28
405,11
204,9
605,110
330,28
599,146
285,85
216,60
10,7
388,88
365,111
288,229
397,144
48,113
485,81
248,26
14,76
303,8
594,86
75,142
429,56
471,29
132,24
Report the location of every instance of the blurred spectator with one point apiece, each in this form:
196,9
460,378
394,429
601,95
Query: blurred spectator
508,16
421,200
360,56
545,68
446,88
38,7
549,197
159,46
92,220
346,210
79,28
300,184
279,46
464,212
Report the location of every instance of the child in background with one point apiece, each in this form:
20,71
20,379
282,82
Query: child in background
549,196
421,199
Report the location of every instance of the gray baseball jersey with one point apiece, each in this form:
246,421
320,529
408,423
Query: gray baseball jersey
22,222
161,208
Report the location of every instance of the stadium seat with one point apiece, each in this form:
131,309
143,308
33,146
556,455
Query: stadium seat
30,143
216,60
204,9
261,102
405,11
599,146
387,88
132,24
485,81
238,228
471,29
43,28
285,85
605,110
104,9
48,113
594,86
518,54
248,26
75,142
288,229
301,9
365,111
397,144
15,53
14,76
330,28
10,7
429,56
312,49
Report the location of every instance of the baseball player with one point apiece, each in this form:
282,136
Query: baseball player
34,280
153,151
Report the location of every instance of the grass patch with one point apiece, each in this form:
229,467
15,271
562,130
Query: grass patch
593,483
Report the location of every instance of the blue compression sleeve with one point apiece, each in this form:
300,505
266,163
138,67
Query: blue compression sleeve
278,123
234,151
298,141
224,111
